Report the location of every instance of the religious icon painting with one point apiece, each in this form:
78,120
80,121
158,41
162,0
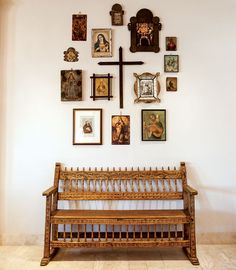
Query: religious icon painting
71,55
79,27
171,63
101,86
101,43
87,126
144,32
147,87
171,84
171,43
153,125
120,129
71,85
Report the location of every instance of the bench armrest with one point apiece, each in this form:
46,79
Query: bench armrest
50,191
190,190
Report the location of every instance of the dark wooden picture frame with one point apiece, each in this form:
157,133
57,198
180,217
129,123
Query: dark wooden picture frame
153,125
87,126
144,32
117,14
120,129
171,63
71,85
101,86
171,84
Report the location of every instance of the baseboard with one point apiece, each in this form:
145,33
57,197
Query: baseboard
202,238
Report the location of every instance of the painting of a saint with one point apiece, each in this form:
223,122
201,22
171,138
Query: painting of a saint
101,43
153,125
120,129
71,85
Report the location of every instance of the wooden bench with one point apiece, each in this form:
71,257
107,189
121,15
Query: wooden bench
154,227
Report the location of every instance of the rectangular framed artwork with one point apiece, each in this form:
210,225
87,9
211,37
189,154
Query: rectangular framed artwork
79,27
71,85
87,126
171,84
101,43
120,129
153,125
171,63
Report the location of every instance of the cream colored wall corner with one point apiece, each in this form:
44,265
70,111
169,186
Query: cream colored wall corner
36,127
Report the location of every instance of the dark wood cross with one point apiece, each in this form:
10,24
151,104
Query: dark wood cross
121,63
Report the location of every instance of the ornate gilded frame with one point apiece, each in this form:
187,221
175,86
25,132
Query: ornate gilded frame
147,87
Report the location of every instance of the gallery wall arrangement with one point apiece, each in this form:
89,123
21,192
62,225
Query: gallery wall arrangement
145,38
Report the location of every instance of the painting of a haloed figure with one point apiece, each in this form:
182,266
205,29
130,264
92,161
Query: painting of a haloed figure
120,129
71,85
154,125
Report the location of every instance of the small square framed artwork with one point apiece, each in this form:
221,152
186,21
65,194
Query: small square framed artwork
171,43
171,84
101,42
101,86
120,129
153,125
171,63
71,85
87,126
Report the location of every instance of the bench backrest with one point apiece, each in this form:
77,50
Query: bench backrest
158,184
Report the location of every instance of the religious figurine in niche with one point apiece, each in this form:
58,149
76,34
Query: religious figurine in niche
171,43
144,32
71,85
71,55
79,27
117,15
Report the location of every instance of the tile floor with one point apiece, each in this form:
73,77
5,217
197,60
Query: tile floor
216,257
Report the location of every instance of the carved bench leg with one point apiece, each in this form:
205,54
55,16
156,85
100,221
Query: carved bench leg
191,252
46,254
46,260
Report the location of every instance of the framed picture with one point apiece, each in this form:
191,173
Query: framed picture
153,125
120,129
147,87
71,85
101,43
144,32
171,63
171,43
117,14
101,86
171,84
87,126
79,27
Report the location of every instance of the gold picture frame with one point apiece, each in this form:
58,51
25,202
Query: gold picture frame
101,42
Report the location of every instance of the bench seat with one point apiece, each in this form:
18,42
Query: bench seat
120,216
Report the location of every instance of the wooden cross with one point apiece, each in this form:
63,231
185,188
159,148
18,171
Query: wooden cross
121,63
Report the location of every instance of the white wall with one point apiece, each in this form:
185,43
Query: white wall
36,127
